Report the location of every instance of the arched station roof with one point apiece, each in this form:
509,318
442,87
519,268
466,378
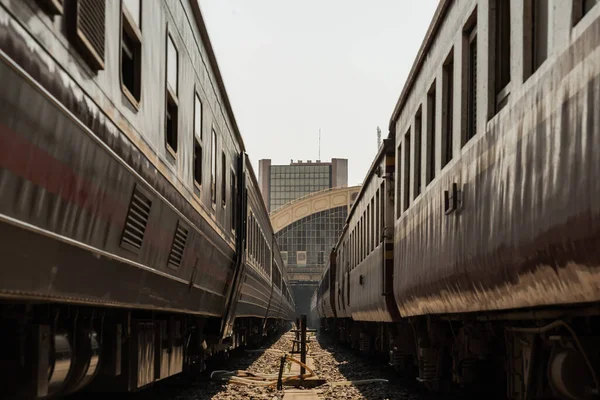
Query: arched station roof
313,203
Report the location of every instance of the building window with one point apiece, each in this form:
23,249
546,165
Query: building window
213,172
470,78
431,134
501,52
171,102
406,170
86,20
448,107
223,180
417,152
535,35
131,50
582,7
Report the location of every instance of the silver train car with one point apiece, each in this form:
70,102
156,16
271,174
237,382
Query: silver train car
133,245
471,255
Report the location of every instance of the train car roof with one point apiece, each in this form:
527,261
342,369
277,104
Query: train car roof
195,4
368,176
438,18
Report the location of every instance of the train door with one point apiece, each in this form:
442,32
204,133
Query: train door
387,191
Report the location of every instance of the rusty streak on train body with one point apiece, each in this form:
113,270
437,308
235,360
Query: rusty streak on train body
134,242
480,266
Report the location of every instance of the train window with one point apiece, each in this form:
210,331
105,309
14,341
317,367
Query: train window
197,142
249,235
382,211
368,230
87,30
172,66
134,8
406,178
213,172
171,125
198,117
52,7
470,77
233,185
363,239
171,102
223,180
535,35
131,50
253,233
431,133
417,152
377,231
197,163
582,7
372,238
398,181
254,239
359,242
501,53
448,109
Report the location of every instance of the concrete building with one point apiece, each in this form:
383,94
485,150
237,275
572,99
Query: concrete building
281,184
306,230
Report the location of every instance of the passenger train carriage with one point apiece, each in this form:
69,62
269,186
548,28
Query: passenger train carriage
480,267
132,242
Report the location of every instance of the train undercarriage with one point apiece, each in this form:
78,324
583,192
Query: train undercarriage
51,350
535,354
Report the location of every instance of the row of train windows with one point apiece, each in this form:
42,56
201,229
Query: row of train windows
86,27
367,232
258,248
536,17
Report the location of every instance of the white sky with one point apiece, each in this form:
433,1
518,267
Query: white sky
292,67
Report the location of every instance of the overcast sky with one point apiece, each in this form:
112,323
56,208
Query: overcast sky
292,67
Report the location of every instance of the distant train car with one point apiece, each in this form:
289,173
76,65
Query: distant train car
490,204
126,200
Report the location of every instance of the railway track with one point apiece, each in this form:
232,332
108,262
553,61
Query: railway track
347,376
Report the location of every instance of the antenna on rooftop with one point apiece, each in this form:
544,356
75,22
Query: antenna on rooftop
319,144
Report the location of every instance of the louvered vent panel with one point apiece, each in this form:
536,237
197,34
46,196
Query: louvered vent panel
137,219
176,255
87,22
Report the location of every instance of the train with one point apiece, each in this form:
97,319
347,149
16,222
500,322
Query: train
470,257
134,241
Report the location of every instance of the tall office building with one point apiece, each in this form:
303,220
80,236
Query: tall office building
281,184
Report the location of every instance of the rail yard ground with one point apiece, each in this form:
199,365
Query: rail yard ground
332,363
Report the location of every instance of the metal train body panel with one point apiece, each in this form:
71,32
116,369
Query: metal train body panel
364,271
526,231
71,161
84,167
525,225
491,223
